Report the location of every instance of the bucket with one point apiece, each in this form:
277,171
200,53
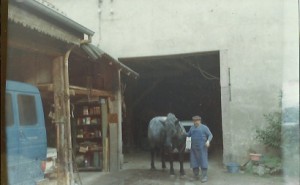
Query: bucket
233,167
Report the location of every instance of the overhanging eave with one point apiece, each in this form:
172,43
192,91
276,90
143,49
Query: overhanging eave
96,54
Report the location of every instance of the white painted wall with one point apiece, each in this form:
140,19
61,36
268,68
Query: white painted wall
251,31
85,13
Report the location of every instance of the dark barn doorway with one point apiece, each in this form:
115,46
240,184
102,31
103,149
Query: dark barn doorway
185,84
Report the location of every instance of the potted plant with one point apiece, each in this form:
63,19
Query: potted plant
255,156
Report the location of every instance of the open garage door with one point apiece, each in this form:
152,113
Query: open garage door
184,84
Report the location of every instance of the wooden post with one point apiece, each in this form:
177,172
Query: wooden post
104,133
115,137
58,90
4,19
113,149
119,112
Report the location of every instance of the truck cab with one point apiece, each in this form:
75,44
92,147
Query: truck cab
26,142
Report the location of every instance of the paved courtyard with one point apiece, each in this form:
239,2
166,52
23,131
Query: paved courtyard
136,171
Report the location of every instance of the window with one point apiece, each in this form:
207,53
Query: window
9,115
27,110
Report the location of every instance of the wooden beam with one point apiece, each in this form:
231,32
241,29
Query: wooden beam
76,90
91,92
45,87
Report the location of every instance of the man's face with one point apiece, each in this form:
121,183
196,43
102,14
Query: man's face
197,122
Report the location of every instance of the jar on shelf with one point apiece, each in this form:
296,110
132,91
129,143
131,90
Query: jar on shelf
85,111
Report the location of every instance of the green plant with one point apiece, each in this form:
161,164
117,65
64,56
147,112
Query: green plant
270,136
273,163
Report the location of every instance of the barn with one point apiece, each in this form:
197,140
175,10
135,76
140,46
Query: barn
80,85
225,61
208,58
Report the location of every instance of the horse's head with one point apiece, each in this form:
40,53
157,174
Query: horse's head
170,129
175,132
179,138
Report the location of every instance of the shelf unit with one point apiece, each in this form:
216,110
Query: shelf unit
87,136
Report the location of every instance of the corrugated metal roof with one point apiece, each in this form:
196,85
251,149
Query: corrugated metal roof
96,53
43,8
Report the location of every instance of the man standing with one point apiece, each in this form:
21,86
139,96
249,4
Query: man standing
200,137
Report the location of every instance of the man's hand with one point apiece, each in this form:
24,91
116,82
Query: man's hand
207,144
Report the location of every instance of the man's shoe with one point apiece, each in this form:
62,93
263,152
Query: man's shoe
204,179
196,173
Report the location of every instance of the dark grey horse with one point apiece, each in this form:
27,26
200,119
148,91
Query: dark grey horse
167,134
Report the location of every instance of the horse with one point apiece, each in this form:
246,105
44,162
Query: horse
167,134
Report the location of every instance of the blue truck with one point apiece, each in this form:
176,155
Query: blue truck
26,143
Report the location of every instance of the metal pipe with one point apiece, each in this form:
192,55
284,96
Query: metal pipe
119,110
69,152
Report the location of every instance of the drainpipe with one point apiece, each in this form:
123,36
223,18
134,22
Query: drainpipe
88,41
120,141
68,137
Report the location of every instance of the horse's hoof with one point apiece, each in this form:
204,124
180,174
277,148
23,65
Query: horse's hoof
153,168
182,177
172,175
192,179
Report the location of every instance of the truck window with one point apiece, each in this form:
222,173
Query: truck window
9,117
187,128
27,110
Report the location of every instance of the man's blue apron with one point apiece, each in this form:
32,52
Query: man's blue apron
198,151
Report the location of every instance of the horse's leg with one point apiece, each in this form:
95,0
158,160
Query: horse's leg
171,163
181,157
163,162
152,158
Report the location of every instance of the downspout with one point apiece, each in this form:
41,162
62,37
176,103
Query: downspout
88,41
120,117
68,137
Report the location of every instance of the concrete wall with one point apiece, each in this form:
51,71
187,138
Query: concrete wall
250,31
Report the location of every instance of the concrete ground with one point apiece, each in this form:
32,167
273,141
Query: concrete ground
136,171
